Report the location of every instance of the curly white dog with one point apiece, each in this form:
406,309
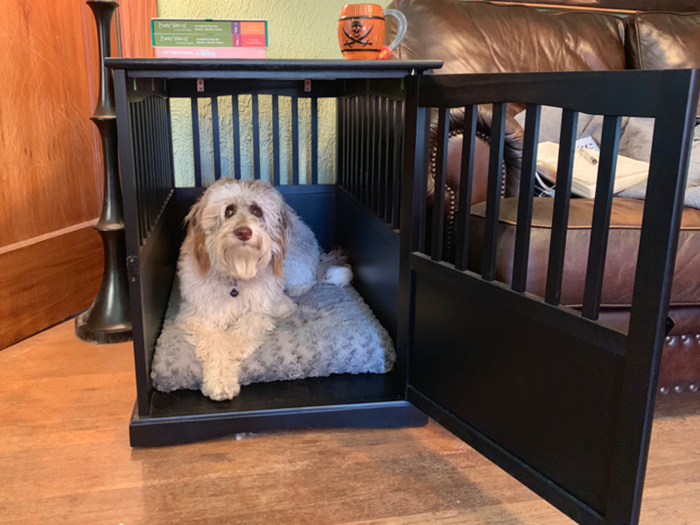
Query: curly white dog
243,243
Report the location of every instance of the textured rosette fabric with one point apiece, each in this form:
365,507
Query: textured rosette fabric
332,331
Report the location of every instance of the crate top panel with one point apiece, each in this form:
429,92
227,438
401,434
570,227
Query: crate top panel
272,69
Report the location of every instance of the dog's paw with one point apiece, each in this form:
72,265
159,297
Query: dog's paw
285,308
300,289
220,389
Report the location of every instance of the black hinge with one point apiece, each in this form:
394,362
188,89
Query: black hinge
132,267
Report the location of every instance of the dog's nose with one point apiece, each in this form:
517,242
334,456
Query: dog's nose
244,233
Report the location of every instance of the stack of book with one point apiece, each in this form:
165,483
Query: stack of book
189,38
628,172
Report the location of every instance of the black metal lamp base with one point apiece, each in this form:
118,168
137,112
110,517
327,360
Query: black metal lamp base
108,319
87,330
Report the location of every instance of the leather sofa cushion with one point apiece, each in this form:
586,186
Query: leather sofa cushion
480,37
623,244
663,41
686,320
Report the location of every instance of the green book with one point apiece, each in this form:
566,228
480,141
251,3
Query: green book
180,40
208,27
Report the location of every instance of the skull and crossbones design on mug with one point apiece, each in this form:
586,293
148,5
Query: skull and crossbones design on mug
357,37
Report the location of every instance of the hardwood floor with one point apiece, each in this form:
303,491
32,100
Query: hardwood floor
65,459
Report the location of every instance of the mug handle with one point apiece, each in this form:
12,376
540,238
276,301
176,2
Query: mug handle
403,25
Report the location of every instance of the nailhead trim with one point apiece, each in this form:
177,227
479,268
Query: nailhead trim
683,342
452,204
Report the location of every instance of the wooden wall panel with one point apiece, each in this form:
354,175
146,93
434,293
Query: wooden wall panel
135,28
50,156
45,282
46,138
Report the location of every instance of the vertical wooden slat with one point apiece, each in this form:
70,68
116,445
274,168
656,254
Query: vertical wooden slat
525,198
376,152
136,146
397,164
349,123
195,143
357,153
493,192
236,125
159,152
143,140
379,157
357,177
465,188
373,174
153,159
158,137
352,153
165,138
371,151
314,140
340,142
151,168
560,218
439,188
365,141
421,193
362,148
295,140
668,170
413,203
156,159
154,154
160,143
169,142
256,137
215,137
412,189
369,139
146,163
387,117
161,147
276,154
348,143
597,249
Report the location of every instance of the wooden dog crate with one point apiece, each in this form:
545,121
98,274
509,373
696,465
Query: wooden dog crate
558,399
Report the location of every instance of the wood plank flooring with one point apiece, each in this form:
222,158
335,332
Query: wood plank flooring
65,459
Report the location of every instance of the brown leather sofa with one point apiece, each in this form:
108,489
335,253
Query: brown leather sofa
480,37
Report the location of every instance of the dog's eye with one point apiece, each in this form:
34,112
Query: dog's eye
255,210
230,210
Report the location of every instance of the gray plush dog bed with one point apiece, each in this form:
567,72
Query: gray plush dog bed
332,332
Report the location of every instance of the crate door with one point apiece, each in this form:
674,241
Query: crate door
553,396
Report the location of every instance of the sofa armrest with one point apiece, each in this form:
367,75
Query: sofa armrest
512,155
510,169
512,148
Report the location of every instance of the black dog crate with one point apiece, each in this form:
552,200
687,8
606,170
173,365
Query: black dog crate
558,399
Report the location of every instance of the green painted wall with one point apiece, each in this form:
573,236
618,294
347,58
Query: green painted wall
297,28
302,29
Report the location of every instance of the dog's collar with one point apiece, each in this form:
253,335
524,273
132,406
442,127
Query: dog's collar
234,290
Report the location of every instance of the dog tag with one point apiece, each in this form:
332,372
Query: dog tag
234,293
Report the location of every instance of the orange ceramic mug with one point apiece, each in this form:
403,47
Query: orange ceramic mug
361,31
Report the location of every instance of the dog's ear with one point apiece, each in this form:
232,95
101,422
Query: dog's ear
279,235
196,235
